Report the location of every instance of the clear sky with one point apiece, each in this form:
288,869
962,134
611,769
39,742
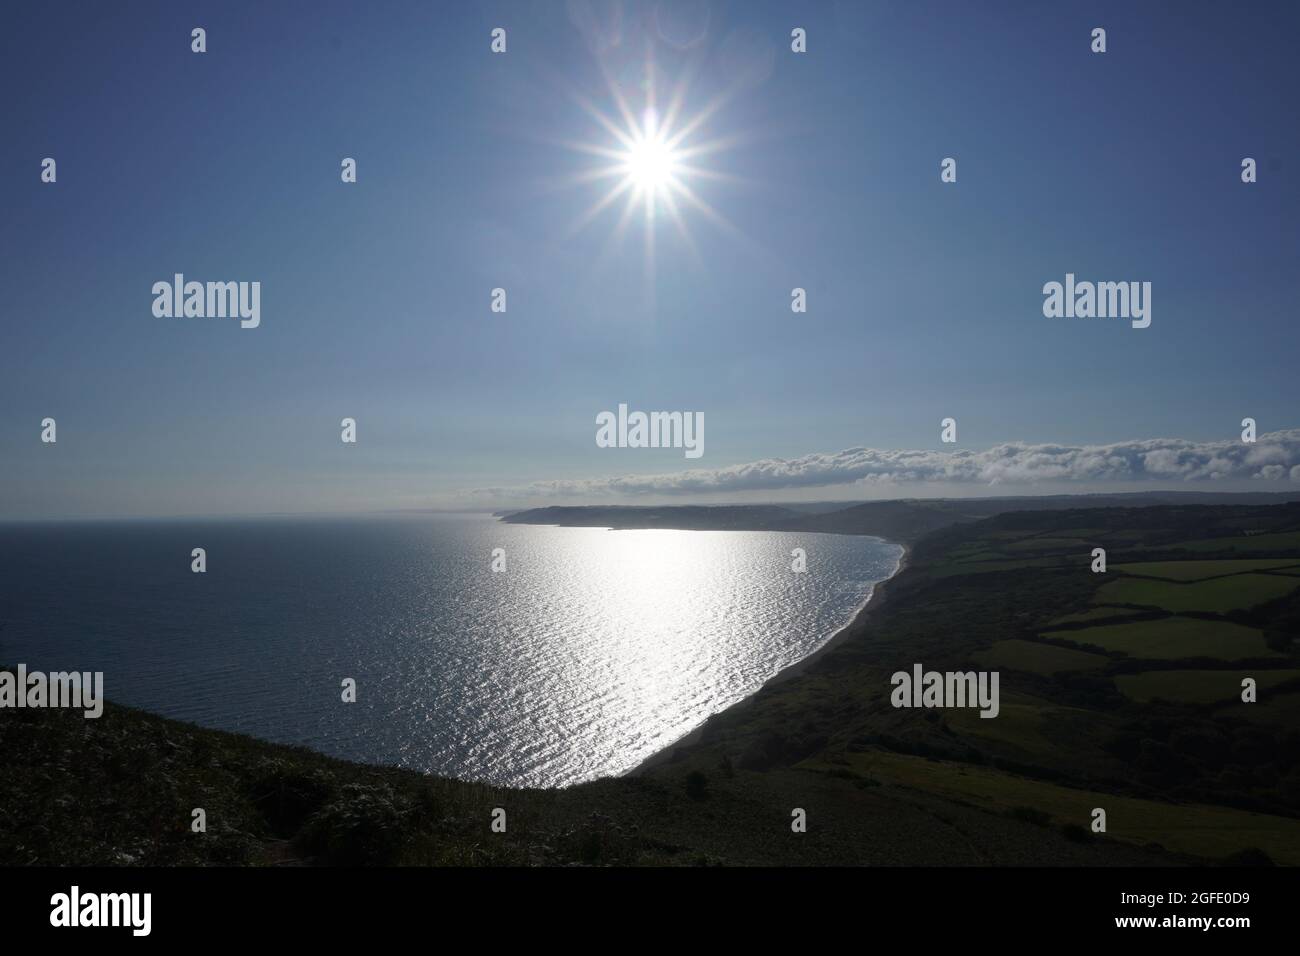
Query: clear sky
817,170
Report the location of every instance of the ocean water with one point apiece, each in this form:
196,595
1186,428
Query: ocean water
593,650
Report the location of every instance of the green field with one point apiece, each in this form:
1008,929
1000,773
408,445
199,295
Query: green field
1198,570
1050,544
1218,595
977,567
1038,658
1198,687
1283,541
1031,728
1101,613
1022,726
1188,828
1096,614
977,556
1280,709
1084,534
1173,638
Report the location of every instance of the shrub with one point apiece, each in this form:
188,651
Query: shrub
1031,815
363,826
1074,831
1250,856
286,796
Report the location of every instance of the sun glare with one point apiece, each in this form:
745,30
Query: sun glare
651,155
650,163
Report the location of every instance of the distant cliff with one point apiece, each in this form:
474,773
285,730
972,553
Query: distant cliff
902,520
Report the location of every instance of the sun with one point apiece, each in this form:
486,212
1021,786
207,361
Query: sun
650,163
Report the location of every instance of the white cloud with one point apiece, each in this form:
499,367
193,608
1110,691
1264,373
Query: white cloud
1274,457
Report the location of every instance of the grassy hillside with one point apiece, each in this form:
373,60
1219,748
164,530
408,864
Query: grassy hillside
121,791
1129,702
1119,689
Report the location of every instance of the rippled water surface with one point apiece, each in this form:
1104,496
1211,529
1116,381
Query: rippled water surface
593,649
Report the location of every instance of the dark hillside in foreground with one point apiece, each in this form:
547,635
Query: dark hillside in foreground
1118,691
122,793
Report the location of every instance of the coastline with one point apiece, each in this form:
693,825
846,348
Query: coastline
877,598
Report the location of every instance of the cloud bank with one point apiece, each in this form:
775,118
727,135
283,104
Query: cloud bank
1274,457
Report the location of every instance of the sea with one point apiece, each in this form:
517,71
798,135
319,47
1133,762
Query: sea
521,655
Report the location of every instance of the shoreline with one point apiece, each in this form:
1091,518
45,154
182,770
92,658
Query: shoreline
878,595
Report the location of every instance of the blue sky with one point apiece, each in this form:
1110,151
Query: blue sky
924,298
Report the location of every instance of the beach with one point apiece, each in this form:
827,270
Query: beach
879,593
